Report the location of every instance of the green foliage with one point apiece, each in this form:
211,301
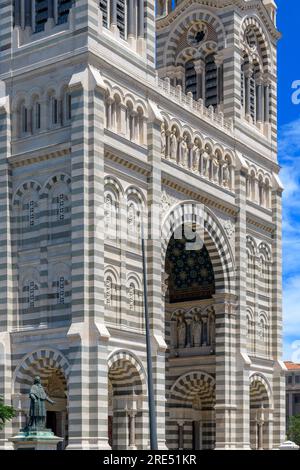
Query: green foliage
6,413
294,429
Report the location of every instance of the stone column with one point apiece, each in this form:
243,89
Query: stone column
88,336
260,445
200,71
51,9
17,13
132,443
219,63
259,101
267,103
248,75
131,29
113,15
141,19
180,425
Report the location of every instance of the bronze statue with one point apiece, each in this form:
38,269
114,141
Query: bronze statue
37,411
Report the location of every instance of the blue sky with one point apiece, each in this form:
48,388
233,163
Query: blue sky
289,158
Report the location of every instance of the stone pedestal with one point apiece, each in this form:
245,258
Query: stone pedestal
36,440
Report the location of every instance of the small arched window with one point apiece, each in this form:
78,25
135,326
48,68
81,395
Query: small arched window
190,78
211,81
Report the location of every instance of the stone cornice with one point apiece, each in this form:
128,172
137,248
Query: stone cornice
39,155
193,194
260,223
142,170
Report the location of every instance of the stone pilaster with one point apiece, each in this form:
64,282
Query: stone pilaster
225,407
242,377
153,243
88,335
276,319
6,281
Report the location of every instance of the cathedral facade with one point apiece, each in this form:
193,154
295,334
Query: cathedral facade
124,117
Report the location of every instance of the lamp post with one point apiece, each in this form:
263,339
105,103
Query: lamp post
151,400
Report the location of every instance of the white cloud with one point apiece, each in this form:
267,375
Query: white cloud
289,157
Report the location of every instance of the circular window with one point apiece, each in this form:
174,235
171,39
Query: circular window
197,34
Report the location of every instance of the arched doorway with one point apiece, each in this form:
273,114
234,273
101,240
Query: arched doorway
53,370
126,413
191,412
260,413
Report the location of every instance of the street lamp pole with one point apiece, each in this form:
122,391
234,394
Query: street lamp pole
151,399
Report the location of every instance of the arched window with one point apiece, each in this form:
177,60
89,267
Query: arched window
255,87
211,81
63,9
190,78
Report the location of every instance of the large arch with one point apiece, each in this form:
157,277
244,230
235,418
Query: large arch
33,364
260,409
217,244
126,397
54,369
190,411
264,43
